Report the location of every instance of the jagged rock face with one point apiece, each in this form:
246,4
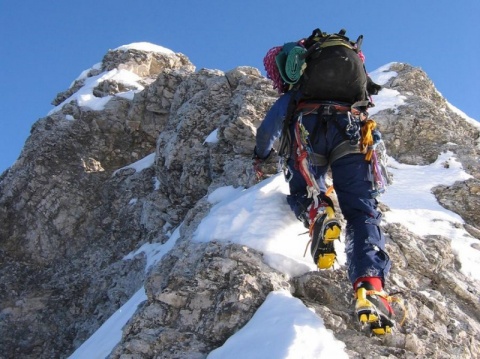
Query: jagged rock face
67,225
72,212
198,296
70,219
144,64
426,126
186,165
64,164
462,198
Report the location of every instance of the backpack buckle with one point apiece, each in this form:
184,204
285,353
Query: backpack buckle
327,110
330,109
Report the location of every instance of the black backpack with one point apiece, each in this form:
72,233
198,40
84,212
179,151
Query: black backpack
325,67
334,71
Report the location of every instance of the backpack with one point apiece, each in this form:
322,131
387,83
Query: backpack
325,67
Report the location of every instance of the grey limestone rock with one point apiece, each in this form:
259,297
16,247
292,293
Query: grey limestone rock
75,204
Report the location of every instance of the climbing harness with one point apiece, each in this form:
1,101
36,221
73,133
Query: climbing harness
360,133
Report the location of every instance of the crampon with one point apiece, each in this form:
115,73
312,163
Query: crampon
374,311
324,230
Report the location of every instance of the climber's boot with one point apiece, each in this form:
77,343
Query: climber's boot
324,229
372,306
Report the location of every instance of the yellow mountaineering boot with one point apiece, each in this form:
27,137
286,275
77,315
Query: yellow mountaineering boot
324,229
372,306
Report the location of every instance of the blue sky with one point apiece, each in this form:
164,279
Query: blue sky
45,45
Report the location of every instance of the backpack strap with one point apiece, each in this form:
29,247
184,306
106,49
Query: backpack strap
359,43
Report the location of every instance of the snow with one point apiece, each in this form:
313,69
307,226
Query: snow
84,74
387,98
154,252
85,97
383,74
413,205
470,120
140,165
212,138
259,217
282,328
102,342
146,46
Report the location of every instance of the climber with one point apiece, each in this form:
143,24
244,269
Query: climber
319,118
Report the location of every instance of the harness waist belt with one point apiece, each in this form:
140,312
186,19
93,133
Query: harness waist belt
343,149
323,108
318,160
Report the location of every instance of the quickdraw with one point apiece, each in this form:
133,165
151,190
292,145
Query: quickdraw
380,177
375,152
301,141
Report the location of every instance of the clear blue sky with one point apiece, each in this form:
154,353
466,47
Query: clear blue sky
45,45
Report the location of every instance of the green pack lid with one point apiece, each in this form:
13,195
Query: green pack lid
290,62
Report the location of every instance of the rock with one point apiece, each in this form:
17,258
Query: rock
197,297
92,186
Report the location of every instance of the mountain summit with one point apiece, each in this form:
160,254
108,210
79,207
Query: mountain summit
137,189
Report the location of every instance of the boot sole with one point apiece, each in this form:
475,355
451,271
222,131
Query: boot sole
324,252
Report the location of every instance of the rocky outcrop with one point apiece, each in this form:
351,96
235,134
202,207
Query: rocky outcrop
426,125
197,298
81,197
462,198
72,211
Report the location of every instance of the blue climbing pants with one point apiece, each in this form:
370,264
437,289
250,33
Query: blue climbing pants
365,243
